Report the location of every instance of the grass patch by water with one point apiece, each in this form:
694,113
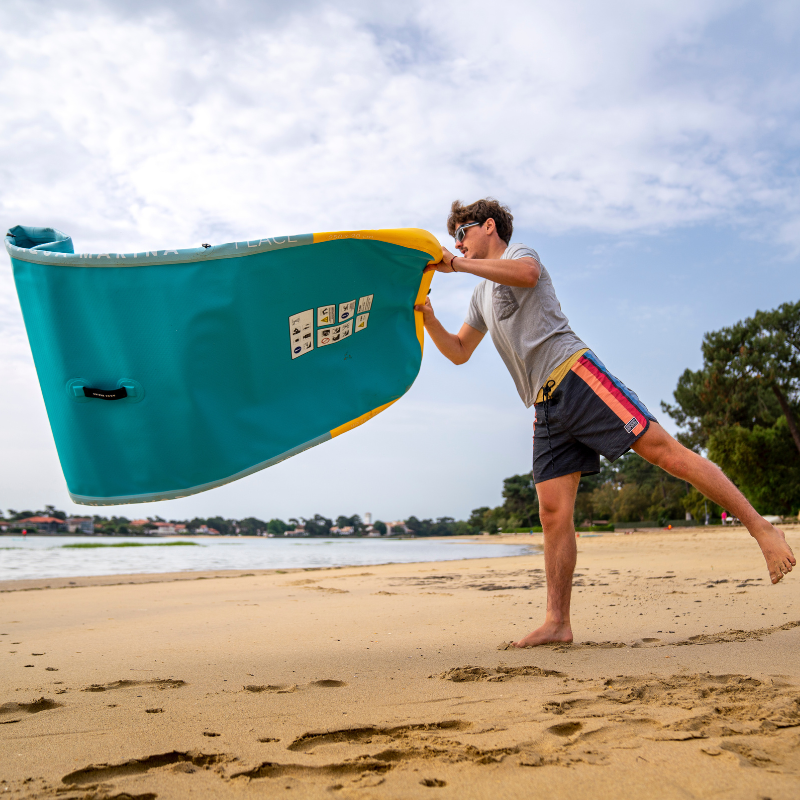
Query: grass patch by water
87,545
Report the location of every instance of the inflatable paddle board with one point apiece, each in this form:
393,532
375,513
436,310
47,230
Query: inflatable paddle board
169,372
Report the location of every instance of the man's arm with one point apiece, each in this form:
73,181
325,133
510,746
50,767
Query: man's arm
458,347
520,272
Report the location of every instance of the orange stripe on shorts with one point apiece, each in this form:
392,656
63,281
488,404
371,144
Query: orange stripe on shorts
597,387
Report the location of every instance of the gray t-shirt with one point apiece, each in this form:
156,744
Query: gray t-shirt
528,327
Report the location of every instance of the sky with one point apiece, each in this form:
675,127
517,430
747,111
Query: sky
648,149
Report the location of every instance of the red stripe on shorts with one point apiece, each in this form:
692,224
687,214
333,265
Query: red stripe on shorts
603,387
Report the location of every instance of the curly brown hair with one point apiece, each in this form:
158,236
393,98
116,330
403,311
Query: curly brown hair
480,211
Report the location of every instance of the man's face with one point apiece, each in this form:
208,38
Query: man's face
475,243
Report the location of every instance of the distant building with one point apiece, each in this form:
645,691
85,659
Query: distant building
80,525
43,524
398,523
298,531
167,528
368,518
206,531
347,530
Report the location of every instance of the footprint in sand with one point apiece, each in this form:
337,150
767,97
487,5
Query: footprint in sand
502,673
274,689
157,683
645,641
565,728
292,687
37,706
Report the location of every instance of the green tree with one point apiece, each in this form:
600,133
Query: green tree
278,527
318,525
477,517
521,500
52,511
251,526
224,526
630,490
763,462
742,406
350,522
380,527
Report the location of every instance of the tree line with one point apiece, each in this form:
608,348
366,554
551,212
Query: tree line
740,409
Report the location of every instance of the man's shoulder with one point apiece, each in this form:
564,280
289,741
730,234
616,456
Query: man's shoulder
519,250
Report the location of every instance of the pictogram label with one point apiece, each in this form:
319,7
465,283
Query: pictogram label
301,332
326,315
334,333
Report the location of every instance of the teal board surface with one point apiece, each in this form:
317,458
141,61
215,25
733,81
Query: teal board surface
206,343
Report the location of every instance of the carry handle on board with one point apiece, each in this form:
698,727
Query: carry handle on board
127,389
104,394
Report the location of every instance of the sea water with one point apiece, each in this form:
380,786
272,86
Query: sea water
31,557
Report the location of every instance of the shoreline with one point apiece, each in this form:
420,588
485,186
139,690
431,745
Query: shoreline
534,540
129,578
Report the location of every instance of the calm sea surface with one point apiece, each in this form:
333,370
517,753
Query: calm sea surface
47,557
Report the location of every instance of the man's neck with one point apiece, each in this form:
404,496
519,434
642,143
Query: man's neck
496,249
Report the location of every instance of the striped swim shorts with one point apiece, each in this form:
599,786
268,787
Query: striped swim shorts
590,413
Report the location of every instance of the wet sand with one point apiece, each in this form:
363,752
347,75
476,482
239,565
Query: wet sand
391,681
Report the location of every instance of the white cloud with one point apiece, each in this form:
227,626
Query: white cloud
576,114
128,125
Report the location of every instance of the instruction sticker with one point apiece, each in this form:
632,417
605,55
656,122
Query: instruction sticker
334,333
301,332
365,303
361,321
346,310
326,315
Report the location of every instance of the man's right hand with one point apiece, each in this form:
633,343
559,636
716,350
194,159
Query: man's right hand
458,347
427,311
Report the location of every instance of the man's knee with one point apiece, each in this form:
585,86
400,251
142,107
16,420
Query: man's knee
555,515
674,458
661,449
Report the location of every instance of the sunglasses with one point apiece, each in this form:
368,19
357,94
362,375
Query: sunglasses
461,230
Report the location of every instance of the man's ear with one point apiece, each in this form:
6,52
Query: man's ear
490,226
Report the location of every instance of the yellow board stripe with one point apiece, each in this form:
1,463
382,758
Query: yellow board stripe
424,286
354,423
413,238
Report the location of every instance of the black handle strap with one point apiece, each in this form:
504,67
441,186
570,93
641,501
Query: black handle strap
106,394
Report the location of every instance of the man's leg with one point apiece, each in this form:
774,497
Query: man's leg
556,509
659,448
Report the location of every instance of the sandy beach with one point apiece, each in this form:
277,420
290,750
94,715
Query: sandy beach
393,681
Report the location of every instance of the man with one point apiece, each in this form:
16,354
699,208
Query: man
581,410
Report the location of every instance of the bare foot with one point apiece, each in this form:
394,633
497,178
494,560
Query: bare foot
548,633
777,553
